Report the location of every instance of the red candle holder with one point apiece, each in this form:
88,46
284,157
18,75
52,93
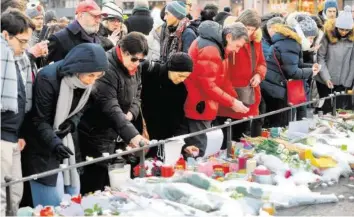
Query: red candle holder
167,171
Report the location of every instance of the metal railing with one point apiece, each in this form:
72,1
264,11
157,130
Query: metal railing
141,150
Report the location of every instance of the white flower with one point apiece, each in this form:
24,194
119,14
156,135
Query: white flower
286,151
282,156
281,146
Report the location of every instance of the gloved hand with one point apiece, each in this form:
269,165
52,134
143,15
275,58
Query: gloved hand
65,128
62,152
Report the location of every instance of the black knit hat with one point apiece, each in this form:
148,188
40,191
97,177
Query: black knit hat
180,62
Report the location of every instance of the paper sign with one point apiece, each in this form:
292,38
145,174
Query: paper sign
298,129
173,151
215,139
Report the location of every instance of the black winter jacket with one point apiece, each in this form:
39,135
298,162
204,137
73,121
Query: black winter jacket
40,137
162,102
63,41
140,21
115,94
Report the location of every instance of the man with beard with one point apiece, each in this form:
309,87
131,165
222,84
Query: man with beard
83,30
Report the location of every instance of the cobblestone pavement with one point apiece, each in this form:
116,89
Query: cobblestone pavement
342,208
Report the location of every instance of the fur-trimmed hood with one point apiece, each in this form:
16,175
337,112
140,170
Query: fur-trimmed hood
330,32
285,31
257,35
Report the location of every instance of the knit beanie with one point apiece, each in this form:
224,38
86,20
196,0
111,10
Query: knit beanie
180,62
112,11
49,16
34,9
177,9
345,19
141,4
227,9
307,25
330,4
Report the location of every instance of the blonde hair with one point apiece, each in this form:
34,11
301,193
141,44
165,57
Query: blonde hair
229,20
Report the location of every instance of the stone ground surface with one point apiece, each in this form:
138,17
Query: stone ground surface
342,208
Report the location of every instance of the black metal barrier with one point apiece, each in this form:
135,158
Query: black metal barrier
141,150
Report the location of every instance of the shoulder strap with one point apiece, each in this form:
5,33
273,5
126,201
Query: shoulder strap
253,57
278,64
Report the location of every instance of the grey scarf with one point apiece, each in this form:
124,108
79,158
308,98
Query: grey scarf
66,94
9,85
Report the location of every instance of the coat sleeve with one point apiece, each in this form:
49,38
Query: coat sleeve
289,61
321,59
188,37
105,96
135,106
208,66
44,106
261,67
55,52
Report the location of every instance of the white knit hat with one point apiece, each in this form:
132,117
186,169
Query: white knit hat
112,11
345,19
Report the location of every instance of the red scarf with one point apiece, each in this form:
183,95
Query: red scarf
120,58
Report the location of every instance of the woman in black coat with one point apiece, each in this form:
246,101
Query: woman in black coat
60,93
115,105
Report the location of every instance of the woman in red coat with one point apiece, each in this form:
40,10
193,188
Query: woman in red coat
246,70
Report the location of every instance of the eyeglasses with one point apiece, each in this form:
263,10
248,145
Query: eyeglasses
23,42
135,59
113,20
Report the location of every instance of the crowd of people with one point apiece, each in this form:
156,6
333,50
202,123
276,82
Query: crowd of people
102,82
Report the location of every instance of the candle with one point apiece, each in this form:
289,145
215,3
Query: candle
167,171
242,163
251,165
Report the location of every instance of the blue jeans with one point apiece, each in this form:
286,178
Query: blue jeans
51,196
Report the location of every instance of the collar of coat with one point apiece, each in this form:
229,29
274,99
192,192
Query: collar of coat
329,29
287,32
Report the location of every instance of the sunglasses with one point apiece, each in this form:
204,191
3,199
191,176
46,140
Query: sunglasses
135,59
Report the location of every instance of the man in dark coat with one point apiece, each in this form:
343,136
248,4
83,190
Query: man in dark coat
16,99
176,36
83,30
140,20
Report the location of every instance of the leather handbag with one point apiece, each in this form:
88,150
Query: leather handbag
295,89
246,95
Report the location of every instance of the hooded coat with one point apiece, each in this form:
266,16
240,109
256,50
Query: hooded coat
140,21
39,135
240,73
284,61
206,86
336,56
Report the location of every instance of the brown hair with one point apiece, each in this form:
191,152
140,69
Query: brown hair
18,4
250,17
